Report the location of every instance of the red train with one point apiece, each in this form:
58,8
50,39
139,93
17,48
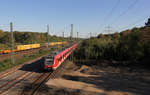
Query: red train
52,61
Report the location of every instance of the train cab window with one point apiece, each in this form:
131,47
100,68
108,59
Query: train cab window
49,60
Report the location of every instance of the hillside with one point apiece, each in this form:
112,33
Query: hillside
126,47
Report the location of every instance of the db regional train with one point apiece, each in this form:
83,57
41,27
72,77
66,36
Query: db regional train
31,46
52,61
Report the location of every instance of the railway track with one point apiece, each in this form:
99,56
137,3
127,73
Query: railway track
35,84
15,81
41,80
4,88
13,70
10,83
18,54
21,53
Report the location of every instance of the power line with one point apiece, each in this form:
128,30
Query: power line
108,30
110,13
136,22
131,6
112,10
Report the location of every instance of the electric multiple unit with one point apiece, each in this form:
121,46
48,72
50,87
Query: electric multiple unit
54,60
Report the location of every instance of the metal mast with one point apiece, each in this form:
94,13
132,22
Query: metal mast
71,34
63,35
47,36
12,43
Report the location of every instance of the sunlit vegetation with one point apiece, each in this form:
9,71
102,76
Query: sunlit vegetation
27,38
132,46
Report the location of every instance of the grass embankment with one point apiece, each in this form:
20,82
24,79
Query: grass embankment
4,46
6,64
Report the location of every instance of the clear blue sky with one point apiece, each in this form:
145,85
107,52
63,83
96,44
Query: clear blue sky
86,15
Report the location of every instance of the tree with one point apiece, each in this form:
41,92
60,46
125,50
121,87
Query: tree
100,36
148,23
116,35
1,34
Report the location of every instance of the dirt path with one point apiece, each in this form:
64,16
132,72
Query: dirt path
87,80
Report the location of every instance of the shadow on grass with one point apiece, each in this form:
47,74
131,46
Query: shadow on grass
36,66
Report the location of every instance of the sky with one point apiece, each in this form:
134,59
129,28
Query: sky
87,16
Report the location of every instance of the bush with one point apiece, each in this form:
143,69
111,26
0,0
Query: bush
130,45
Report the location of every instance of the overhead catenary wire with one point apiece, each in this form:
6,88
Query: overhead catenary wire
112,11
136,22
131,6
107,17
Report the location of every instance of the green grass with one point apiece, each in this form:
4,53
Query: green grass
4,46
6,64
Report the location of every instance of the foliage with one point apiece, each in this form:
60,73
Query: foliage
148,22
26,38
130,45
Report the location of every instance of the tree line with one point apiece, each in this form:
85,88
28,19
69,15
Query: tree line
26,38
132,46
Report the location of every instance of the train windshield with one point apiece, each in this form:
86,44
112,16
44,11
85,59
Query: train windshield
49,60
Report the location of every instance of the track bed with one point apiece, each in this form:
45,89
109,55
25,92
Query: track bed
25,79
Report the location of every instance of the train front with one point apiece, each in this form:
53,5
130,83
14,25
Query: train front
48,63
